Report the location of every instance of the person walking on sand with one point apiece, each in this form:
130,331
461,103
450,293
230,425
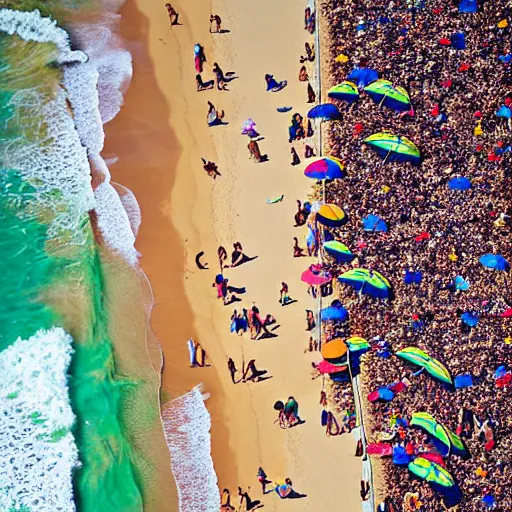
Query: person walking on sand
219,77
284,298
216,20
262,479
255,373
232,369
173,14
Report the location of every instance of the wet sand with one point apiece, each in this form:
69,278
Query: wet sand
160,136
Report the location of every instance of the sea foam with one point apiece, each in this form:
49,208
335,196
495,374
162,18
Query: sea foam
187,426
38,452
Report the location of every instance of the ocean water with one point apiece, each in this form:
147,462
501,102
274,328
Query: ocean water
66,437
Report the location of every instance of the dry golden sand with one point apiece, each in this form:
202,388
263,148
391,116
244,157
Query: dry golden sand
159,137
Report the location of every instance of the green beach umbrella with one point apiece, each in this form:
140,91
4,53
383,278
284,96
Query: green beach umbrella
433,366
457,443
427,422
394,147
356,343
385,94
368,282
431,472
340,252
346,91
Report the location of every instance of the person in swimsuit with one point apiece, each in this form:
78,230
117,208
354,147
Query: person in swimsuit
215,18
173,15
219,76
297,250
223,256
237,256
232,369
255,373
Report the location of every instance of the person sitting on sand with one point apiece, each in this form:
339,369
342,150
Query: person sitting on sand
255,153
298,252
237,256
310,54
284,298
219,77
273,85
203,86
210,168
214,117
310,320
301,216
303,74
295,156
223,256
225,501
173,14
309,152
249,504
311,94
291,411
215,19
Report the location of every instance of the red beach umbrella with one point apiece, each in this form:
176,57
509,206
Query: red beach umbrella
314,276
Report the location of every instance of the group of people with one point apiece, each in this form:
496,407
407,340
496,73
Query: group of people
433,232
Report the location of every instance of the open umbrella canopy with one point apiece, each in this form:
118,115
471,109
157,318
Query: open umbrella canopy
504,111
470,318
355,344
394,147
334,350
433,366
367,282
333,313
495,261
459,183
385,94
340,252
346,91
374,223
363,76
427,422
460,283
431,472
326,367
384,394
325,111
315,276
331,215
326,168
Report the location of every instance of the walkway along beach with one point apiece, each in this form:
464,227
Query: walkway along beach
160,137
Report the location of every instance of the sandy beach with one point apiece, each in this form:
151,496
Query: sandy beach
159,137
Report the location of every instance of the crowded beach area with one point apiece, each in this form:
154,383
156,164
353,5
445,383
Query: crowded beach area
325,198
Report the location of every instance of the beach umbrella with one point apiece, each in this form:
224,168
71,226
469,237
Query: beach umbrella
433,457
346,91
431,472
385,94
413,277
468,6
394,147
315,276
460,283
331,216
335,351
340,252
433,366
326,168
333,313
427,422
356,343
495,262
400,456
384,394
459,183
326,367
458,40
325,111
374,223
488,500
363,76
469,318
505,112
367,282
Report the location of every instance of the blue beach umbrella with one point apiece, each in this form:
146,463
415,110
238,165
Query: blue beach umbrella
461,284
495,261
374,223
469,318
363,76
458,41
468,6
334,314
459,183
368,282
413,277
326,112
504,111
340,252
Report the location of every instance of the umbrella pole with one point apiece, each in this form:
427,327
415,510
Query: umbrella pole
382,100
323,190
389,152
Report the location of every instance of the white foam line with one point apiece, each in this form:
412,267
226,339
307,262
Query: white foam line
187,426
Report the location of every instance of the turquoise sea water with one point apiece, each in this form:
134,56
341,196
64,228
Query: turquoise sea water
52,274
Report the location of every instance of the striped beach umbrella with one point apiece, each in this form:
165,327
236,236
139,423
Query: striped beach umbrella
340,252
394,147
431,472
420,358
367,282
325,168
331,216
326,112
386,94
356,343
346,91
428,423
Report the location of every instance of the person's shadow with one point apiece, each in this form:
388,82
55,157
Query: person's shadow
288,302
295,495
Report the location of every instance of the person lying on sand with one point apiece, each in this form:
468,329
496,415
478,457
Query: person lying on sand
203,86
